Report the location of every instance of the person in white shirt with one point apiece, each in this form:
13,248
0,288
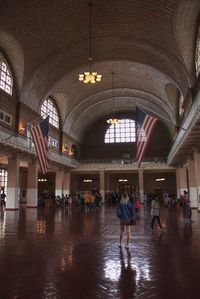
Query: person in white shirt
155,212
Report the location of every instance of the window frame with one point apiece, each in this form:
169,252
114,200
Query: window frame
48,107
5,74
123,132
197,54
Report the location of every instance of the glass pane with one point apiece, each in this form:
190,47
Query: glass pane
121,132
3,76
3,67
48,108
2,85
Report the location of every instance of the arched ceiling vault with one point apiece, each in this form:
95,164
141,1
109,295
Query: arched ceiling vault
84,114
149,45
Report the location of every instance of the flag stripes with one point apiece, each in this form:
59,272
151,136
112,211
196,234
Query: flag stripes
40,138
144,128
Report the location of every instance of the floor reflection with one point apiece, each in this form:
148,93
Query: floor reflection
2,223
57,253
126,282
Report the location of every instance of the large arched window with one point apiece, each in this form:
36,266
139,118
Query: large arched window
181,100
124,131
6,80
3,180
197,56
48,108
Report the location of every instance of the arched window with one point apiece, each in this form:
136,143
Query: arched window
6,80
3,180
181,100
48,108
197,55
124,131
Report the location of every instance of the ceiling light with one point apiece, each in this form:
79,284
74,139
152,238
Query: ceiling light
90,76
87,180
123,180
161,179
113,120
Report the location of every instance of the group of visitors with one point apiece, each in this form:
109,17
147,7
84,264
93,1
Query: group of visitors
166,199
65,200
127,214
185,204
91,199
88,200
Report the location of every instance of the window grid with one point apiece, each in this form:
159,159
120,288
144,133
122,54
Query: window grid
6,81
124,131
48,108
181,100
197,57
4,180
52,142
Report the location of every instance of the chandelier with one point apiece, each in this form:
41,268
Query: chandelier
90,76
113,120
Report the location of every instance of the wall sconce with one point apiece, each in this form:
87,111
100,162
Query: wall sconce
21,128
65,148
70,153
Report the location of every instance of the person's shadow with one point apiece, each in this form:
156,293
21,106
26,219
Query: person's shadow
126,283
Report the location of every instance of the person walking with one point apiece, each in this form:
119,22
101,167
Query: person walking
155,212
3,200
187,208
126,214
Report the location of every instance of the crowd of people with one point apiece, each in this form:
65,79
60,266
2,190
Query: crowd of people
129,204
87,199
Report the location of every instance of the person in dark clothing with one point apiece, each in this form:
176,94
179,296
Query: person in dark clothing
3,201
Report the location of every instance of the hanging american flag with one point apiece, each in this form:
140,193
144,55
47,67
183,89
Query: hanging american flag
39,134
144,128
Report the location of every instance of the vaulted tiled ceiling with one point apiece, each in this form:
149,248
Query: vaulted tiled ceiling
149,45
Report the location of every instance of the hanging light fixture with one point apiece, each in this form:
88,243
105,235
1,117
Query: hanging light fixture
113,120
90,76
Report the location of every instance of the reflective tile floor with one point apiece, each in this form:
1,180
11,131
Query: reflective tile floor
53,253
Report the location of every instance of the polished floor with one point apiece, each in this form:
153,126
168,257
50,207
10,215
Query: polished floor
53,253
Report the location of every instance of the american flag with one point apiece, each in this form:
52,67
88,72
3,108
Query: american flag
144,128
39,134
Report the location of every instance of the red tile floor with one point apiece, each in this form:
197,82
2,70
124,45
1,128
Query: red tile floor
57,253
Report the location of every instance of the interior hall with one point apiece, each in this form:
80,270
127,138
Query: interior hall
99,99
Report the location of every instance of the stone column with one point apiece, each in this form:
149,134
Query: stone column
12,199
32,185
192,183
66,182
59,183
141,185
102,185
197,172
183,185
107,182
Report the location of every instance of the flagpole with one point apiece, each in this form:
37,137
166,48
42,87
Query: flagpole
22,129
14,134
175,124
